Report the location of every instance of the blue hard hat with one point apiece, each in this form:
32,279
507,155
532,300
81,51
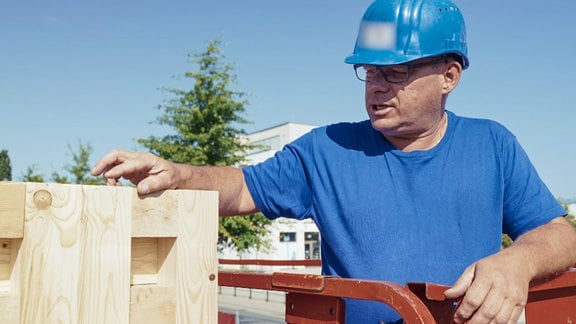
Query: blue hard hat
399,31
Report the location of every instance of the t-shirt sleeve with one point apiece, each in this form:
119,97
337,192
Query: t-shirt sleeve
280,186
528,203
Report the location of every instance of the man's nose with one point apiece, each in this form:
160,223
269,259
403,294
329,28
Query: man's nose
378,84
381,96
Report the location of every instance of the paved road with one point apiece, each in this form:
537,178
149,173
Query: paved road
252,306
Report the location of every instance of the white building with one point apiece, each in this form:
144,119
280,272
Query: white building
289,239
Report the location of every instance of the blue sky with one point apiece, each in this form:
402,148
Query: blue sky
90,71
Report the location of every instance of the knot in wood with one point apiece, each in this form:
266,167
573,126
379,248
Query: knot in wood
42,199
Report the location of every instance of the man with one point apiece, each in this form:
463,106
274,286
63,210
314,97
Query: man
415,193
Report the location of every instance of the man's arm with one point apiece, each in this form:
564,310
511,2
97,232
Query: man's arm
234,197
151,173
495,289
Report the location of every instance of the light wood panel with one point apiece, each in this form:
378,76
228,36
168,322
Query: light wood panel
11,209
187,262
196,271
97,254
76,254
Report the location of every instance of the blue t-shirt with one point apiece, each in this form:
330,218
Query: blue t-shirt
420,216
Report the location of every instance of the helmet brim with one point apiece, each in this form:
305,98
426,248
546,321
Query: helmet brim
384,58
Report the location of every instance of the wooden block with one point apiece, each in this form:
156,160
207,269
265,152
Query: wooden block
144,266
9,283
155,215
78,248
5,259
196,268
167,258
12,209
153,304
9,309
187,266
76,254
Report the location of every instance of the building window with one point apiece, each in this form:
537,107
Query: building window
312,245
312,236
287,236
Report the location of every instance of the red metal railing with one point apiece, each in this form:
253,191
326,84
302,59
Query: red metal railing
291,263
318,299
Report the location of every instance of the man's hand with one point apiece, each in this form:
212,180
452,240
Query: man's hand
148,172
494,290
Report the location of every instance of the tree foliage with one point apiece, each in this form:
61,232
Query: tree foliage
79,170
32,174
205,118
5,166
207,122
243,233
570,217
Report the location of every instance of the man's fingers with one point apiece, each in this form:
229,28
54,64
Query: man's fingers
148,172
462,285
493,309
143,188
516,313
475,296
121,164
112,182
108,161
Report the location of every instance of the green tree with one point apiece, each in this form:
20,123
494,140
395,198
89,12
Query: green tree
79,171
5,166
506,241
32,175
243,233
570,216
207,120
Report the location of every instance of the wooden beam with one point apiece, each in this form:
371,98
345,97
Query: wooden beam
155,215
75,254
12,209
196,267
9,282
98,254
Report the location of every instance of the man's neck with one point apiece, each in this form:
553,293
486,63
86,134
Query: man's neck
421,143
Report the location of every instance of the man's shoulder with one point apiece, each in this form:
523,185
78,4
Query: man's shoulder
481,125
348,129
333,138
355,135
347,126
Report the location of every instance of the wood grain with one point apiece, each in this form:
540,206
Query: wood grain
79,247
12,209
197,269
76,254
9,283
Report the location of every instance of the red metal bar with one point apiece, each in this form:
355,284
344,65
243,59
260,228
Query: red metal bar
225,318
433,297
318,299
311,309
408,305
307,263
549,301
553,301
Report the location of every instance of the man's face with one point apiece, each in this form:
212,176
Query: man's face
409,108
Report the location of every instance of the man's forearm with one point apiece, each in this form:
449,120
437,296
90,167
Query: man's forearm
549,249
234,197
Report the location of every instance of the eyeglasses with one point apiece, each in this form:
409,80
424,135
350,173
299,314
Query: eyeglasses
391,73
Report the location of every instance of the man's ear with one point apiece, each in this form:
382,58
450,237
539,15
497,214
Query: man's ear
451,76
